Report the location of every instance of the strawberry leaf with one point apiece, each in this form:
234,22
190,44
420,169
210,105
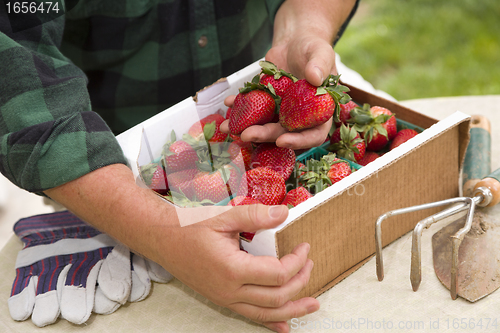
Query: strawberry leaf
209,130
173,137
321,91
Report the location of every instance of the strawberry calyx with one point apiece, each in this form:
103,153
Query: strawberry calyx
314,175
213,157
364,122
166,147
256,85
347,146
271,69
181,200
337,91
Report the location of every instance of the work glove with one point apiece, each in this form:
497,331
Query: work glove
57,270
140,271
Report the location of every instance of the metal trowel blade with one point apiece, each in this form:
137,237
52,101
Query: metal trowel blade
479,256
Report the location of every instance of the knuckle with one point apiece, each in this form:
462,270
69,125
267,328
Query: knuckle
282,277
261,316
278,300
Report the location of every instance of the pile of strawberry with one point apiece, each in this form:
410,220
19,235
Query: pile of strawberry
362,134
208,166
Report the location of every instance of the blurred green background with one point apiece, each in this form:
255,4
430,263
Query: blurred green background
425,48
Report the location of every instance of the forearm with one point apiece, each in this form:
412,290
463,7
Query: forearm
321,17
110,200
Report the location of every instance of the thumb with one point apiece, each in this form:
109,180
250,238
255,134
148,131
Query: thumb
320,63
251,218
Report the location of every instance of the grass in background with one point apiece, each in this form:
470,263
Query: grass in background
425,48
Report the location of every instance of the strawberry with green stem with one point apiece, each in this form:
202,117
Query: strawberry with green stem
323,173
178,155
402,136
278,78
345,113
306,106
255,104
347,143
208,129
155,178
376,124
296,196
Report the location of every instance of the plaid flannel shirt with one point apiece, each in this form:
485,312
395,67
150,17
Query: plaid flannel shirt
69,82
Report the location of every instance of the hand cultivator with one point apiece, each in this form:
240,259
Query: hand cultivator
466,253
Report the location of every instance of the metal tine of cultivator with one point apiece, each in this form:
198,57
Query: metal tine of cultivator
378,225
462,203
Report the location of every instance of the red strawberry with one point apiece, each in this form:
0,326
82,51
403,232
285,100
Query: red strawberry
376,124
228,113
242,201
345,113
296,196
346,143
402,136
263,184
247,235
216,186
370,156
182,182
279,79
178,155
254,105
240,150
390,125
339,170
323,173
305,106
280,159
159,182
208,128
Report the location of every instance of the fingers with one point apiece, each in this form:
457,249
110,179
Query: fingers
229,101
308,138
273,296
290,310
262,133
274,132
252,218
257,133
224,126
281,327
270,271
321,63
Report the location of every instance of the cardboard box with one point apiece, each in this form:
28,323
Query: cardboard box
338,222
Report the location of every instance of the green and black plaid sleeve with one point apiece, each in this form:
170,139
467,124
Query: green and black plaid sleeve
68,83
49,135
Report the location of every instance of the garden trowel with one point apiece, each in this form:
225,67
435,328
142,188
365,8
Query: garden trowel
477,271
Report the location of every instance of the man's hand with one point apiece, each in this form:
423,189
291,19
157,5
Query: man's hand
204,255
304,32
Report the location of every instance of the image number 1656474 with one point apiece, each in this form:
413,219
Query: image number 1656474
32,7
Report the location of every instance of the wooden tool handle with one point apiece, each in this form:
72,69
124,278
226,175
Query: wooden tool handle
492,181
477,161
